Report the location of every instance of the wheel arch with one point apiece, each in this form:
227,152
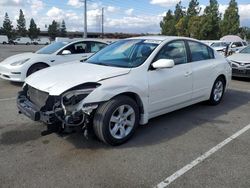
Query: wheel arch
34,64
135,97
223,77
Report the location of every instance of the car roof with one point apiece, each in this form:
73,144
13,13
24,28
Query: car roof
161,38
83,40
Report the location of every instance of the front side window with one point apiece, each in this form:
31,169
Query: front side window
125,53
199,51
237,44
52,48
175,50
77,48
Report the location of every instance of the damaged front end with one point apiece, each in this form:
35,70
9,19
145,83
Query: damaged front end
68,109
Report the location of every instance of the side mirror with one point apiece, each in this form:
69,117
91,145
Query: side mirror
233,46
66,52
163,63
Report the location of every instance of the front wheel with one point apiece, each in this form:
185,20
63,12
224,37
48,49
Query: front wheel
217,91
116,120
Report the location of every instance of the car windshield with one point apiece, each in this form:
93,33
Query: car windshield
245,50
52,48
125,53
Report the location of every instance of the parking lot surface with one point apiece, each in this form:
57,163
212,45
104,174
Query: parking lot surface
157,150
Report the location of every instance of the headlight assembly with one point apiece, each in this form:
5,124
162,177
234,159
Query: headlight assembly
20,62
75,96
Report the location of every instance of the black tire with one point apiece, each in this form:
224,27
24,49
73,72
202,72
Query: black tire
35,68
101,122
4,43
27,43
213,100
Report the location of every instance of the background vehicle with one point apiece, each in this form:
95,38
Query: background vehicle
241,63
4,39
126,84
43,41
23,40
18,67
232,46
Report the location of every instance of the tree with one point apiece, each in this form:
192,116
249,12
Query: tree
21,24
53,29
244,32
178,13
7,26
194,27
193,8
231,20
63,30
181,27
33,30
210,21
168,24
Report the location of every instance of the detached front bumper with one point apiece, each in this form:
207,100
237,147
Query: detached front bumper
26,107
14,74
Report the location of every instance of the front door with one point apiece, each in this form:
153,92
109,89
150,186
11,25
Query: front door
170,87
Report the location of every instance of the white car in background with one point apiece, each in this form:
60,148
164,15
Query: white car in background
241,63
233,47
16,68
4,39
126,84
22,40
41,41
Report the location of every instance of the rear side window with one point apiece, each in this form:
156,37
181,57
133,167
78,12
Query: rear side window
175,50
200,51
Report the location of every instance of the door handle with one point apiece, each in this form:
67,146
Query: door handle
188,74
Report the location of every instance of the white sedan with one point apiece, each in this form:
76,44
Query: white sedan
126,84
16,68
241,63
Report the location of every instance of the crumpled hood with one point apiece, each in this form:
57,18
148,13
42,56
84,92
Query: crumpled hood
240,57
58,79
19,57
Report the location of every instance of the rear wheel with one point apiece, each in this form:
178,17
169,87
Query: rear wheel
35,68
217,91
116,120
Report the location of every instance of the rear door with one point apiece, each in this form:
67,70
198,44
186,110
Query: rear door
203,68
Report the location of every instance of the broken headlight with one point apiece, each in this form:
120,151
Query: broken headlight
76,96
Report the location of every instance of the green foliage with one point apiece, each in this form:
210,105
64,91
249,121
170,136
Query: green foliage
193,8
63,30
54,29
179,13
210,22
181,27
207,26
194,27
33,30
168,24
231,20
244,33
7,28
21,24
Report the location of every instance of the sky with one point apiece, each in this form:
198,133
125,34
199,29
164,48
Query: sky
131,16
